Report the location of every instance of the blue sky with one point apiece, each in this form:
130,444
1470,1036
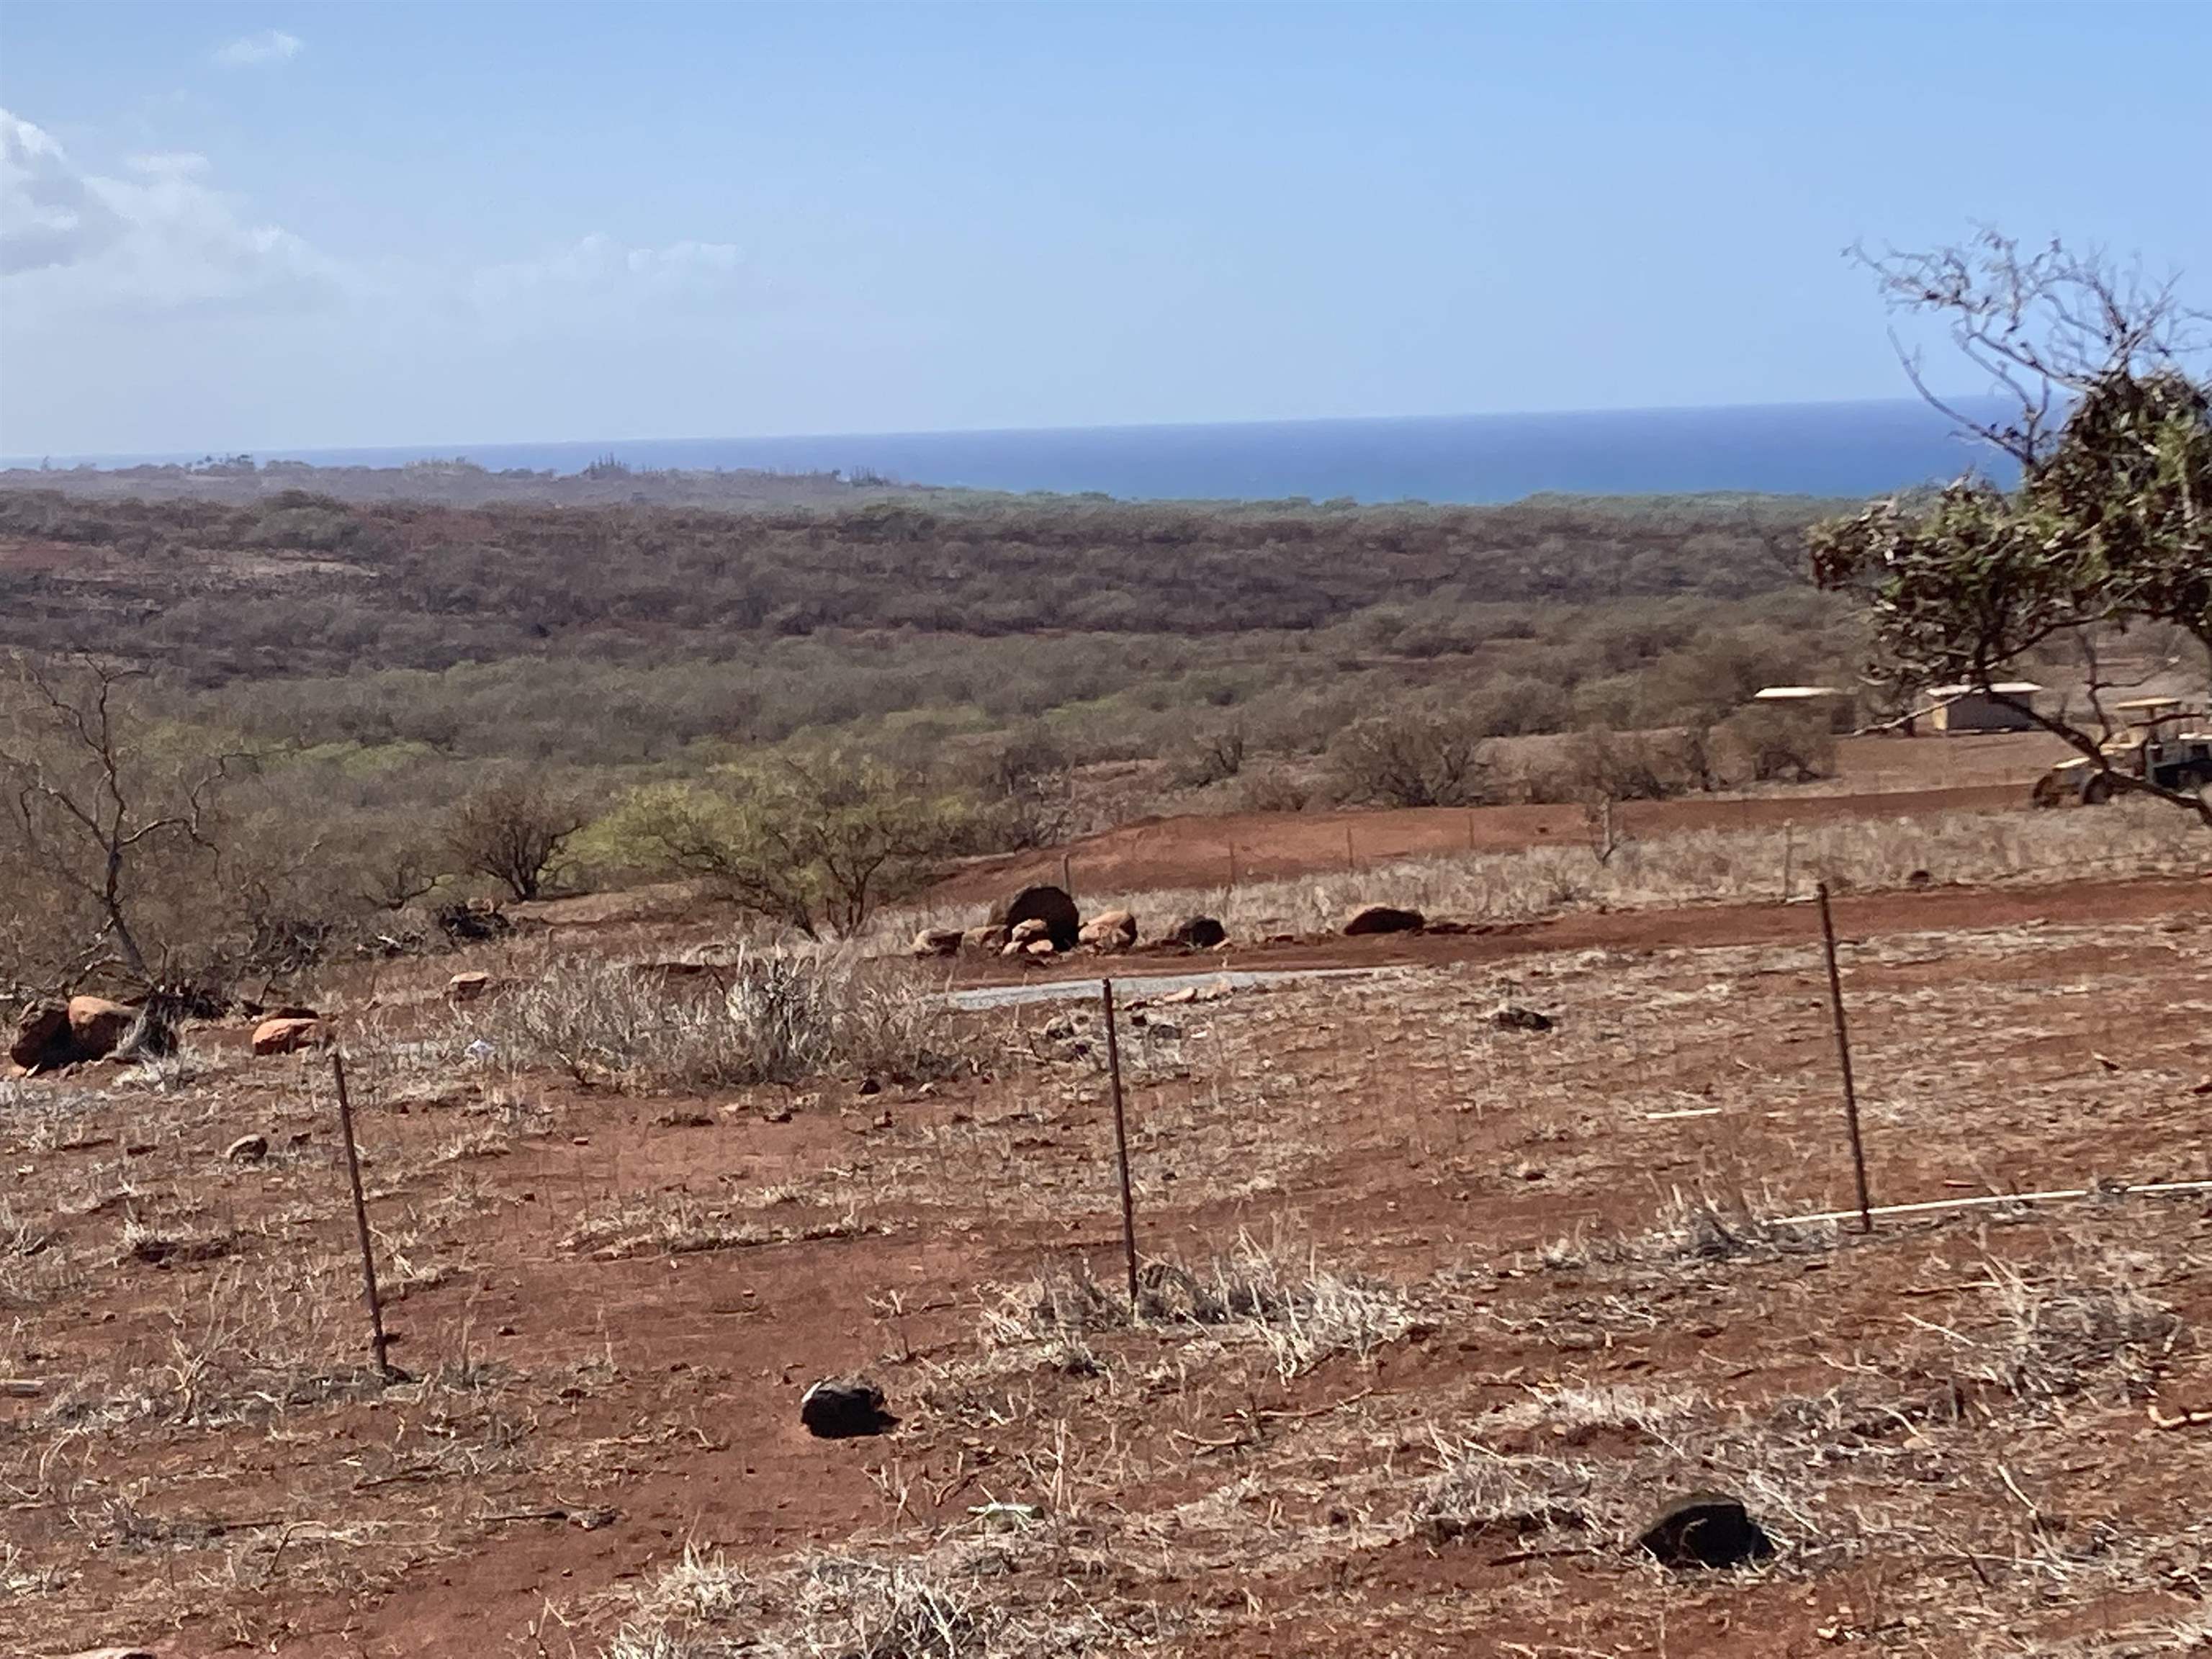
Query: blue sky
248,227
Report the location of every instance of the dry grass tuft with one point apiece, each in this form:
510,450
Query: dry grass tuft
33,1270
852,1607
1694,1227
783,1017
1478,1492
2056,1336
1302,1312
679,1223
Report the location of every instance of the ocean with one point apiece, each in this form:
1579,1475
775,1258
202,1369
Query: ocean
1843,449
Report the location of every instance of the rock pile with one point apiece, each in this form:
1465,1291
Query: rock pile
1039,923
1050,908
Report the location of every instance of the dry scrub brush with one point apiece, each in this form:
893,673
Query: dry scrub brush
782,1017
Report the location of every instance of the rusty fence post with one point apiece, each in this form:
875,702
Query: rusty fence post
1844,1057
376,1340
1121,1142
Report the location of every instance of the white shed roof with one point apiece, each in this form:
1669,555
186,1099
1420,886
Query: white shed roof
2006,688
1796,693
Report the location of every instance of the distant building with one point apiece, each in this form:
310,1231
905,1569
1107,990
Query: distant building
1956,708
1838,707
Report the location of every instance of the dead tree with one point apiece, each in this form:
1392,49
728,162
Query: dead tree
82,816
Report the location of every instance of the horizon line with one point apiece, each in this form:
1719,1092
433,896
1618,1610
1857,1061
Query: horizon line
106,459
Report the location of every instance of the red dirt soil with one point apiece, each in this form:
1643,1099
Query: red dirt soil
685,1431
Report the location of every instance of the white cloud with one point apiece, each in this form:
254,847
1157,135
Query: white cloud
596,279
50,216
270,47
158,235
170,164
161,239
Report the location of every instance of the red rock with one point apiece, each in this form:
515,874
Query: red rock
1110,930
937,942
285,1037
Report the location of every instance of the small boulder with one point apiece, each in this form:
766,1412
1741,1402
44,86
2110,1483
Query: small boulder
247,1149
97,1025
1383,919
41,1036
1514,1017
937,942
467,987
470,921
987,940
1038,950
52,1035
843,1407
1029,931
1198,932
287,1036
1705,1529
1050,905
1109,930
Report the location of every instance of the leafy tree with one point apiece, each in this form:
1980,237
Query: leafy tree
815,843
2109,528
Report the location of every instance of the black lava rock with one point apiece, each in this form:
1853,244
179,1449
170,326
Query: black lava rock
1514,1017
1707,1529
843,1407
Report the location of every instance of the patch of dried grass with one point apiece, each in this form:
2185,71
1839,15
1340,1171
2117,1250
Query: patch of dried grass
1300,1311
772,1017
680,1223
958,1604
